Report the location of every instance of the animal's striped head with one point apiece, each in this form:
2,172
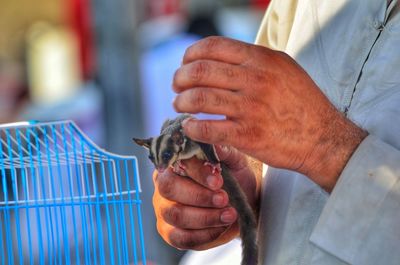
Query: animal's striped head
163,150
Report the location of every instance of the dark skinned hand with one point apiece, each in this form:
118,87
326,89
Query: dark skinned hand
193,212
274,112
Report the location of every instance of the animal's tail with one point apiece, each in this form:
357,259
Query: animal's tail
247,220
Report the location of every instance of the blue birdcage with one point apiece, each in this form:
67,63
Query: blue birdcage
63,200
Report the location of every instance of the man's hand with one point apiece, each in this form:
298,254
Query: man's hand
274,110
193,212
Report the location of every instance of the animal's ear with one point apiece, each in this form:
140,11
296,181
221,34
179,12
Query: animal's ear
177,137
146,143
166,123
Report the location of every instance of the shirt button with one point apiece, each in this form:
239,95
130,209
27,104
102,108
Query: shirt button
379,25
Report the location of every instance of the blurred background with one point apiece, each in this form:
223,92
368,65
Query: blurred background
108,65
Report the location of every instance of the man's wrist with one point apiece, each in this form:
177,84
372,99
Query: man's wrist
333,151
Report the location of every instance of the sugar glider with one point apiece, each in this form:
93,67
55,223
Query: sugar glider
172,146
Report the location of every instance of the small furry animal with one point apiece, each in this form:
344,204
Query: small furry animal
172,146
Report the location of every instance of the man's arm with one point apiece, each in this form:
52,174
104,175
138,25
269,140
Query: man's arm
274,111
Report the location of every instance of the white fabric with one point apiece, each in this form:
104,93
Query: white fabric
228,254
351,49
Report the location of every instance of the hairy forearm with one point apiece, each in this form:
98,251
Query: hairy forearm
332,151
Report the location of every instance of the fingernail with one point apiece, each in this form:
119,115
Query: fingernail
228,216
218,200
212,182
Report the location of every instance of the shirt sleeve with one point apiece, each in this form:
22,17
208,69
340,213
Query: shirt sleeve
360,222
276,25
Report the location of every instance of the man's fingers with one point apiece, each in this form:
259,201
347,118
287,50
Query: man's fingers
187,217
223,132
219,49
210,73
202,174
186,191
209,100
231,157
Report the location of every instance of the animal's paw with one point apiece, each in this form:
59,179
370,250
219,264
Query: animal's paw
215,168
179,168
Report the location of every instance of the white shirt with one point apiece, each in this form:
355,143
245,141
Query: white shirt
351,49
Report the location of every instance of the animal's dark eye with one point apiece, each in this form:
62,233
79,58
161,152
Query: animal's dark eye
151,157
166,156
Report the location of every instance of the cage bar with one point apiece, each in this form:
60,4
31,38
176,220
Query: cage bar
64,200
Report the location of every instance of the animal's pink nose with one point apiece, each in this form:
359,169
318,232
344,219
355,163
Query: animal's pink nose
161,169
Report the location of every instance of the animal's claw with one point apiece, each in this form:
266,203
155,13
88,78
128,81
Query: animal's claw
179,168
215,168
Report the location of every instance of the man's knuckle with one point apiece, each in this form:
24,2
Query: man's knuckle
206,132
166,187
187,241
204,129
245,104
199,98
212,42
177,78
176,104
251,133
206,220
200,199
172,215
213,234
175,215
246,77
198,70
174,237
228,71
220,100
249,102
190,52
182,240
